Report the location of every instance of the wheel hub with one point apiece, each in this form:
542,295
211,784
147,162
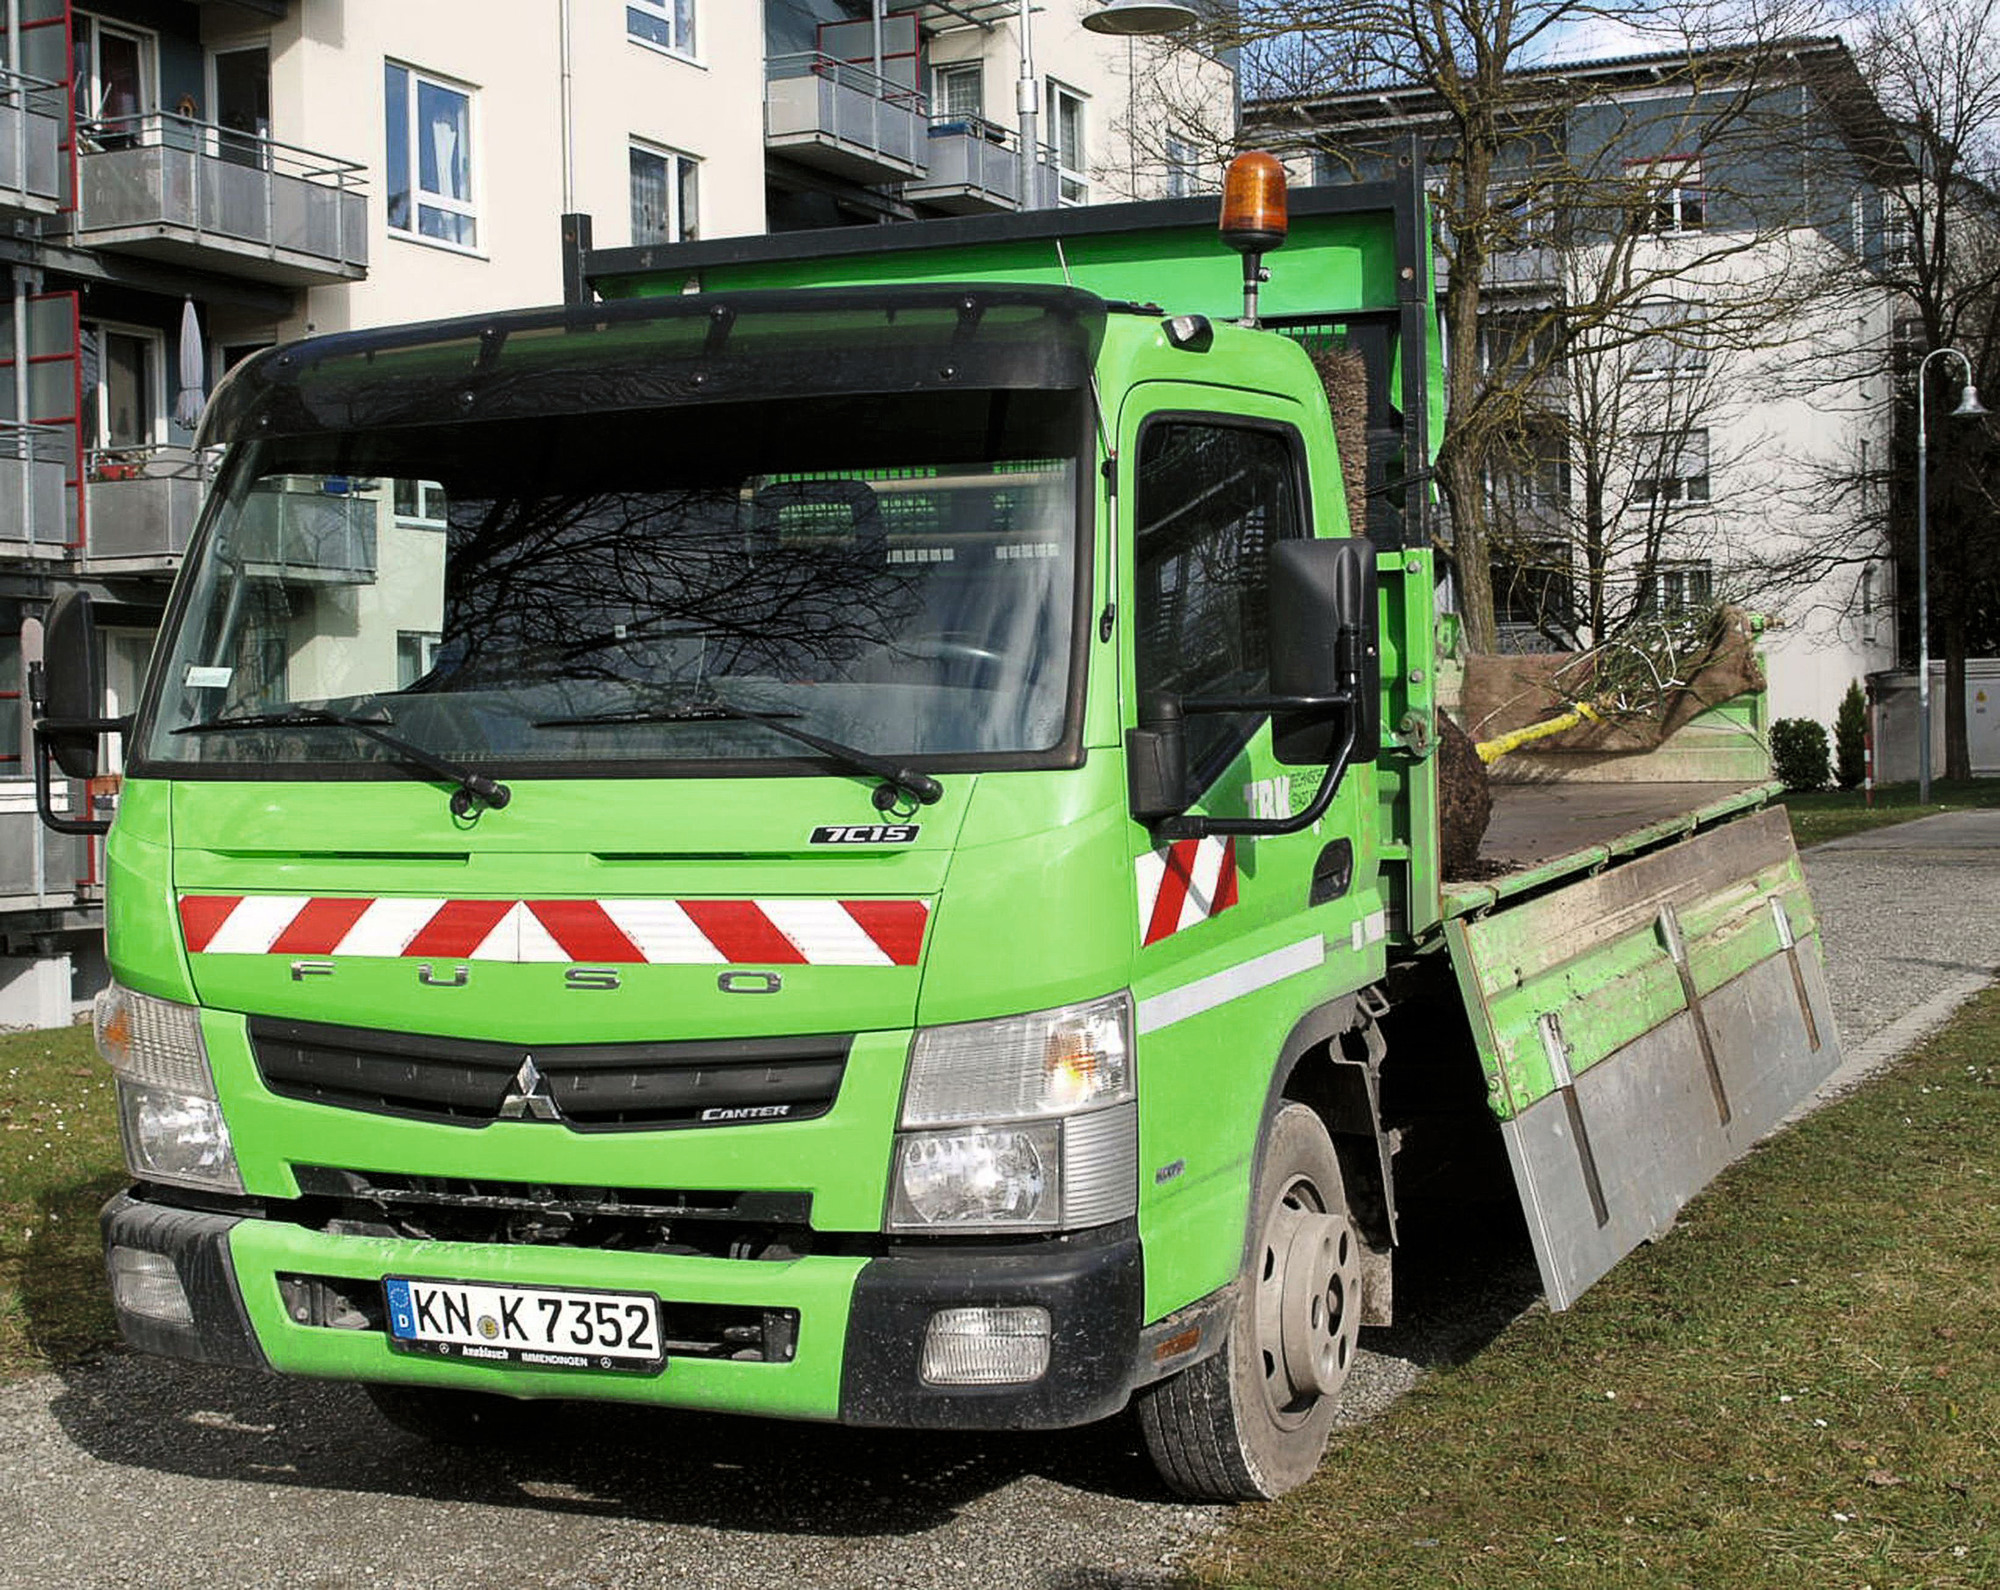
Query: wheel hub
1311,1303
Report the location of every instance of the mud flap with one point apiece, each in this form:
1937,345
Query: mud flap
1643,1028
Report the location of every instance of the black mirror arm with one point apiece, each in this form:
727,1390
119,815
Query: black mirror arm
1186,827
45,804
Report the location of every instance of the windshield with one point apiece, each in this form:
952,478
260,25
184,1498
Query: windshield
637,591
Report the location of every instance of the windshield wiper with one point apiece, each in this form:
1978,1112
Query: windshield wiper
471,789
896,779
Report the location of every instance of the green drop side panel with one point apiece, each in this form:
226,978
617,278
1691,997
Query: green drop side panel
1642,1028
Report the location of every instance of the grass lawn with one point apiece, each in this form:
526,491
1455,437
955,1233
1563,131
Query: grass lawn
1833,814
59,1161
1799,1387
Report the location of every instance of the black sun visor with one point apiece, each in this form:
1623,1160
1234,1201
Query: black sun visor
664,353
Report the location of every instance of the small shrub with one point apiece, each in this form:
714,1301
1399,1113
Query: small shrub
1850,729
1799,754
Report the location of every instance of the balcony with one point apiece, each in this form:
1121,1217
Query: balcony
31,131
197,194
307,530
141,507
35,516
844,120
975,168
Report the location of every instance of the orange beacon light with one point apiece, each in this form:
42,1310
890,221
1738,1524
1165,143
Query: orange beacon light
1253,217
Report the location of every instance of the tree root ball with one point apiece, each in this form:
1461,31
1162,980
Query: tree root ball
1465,804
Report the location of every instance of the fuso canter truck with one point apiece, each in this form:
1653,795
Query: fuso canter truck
845,827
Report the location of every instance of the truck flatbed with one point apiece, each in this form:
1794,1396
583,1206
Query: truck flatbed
1552,831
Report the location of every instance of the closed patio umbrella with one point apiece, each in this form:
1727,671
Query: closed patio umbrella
188,405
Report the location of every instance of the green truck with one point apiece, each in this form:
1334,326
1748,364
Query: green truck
845,827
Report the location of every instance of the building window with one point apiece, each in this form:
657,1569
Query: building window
114,76
429,138
416,653
1677,200
123,393
1517,343
1532,595
1523,217
665,196
1671,340
1183,166
959,92
666,23
1680,587
1672,467
1065,136
420,503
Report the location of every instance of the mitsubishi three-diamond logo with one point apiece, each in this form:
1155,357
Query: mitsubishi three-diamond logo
529,1095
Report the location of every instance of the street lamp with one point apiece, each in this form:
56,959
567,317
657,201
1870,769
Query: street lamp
1125,19
1969,408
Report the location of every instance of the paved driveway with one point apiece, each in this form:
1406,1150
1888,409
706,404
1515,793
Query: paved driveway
140,1472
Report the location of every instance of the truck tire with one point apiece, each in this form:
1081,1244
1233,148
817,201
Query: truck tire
445,1417
1252,1421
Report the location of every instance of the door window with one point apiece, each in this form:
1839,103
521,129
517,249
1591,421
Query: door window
1210,499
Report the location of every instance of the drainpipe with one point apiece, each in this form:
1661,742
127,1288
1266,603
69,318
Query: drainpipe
24,443
568,110
1027,105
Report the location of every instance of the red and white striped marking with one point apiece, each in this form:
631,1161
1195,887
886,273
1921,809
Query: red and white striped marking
1186,883
602,932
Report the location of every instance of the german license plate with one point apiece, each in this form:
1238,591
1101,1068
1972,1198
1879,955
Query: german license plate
534,1326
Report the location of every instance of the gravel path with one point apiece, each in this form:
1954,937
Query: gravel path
141,1472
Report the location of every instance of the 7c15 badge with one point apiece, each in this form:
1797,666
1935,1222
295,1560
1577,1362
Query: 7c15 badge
866,833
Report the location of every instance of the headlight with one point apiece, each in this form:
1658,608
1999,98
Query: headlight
1027,1123
168,1116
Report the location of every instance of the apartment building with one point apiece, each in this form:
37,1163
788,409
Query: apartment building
185,182
1680,313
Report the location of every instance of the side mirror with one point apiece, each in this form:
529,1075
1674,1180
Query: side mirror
1156,764
1324,642
71,705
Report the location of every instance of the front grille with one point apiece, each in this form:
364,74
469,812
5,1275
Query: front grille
708,1223
587,1087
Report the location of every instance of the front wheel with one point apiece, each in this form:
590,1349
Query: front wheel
1252,1421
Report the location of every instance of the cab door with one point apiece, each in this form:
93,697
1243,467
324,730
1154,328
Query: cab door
1236,939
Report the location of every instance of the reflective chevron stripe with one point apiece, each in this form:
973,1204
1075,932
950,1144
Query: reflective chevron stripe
601,932
1186,883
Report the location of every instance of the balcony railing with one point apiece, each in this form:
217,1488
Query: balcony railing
35,514
200,194
143,502
975,167
307,530
843,119
31,132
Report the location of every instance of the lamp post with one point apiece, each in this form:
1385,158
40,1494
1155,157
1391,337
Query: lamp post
1125,19
1969,408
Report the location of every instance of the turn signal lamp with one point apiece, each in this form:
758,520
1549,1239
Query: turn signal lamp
1253,217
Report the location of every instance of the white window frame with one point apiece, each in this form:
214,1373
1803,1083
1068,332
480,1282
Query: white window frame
1672,344
946,73
1072,181
1677,200
99,400
423,518
1183,160
1664,475
85,24
682,24
422,198
681,227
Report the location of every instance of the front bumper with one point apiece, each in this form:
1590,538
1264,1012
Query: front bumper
856,1356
